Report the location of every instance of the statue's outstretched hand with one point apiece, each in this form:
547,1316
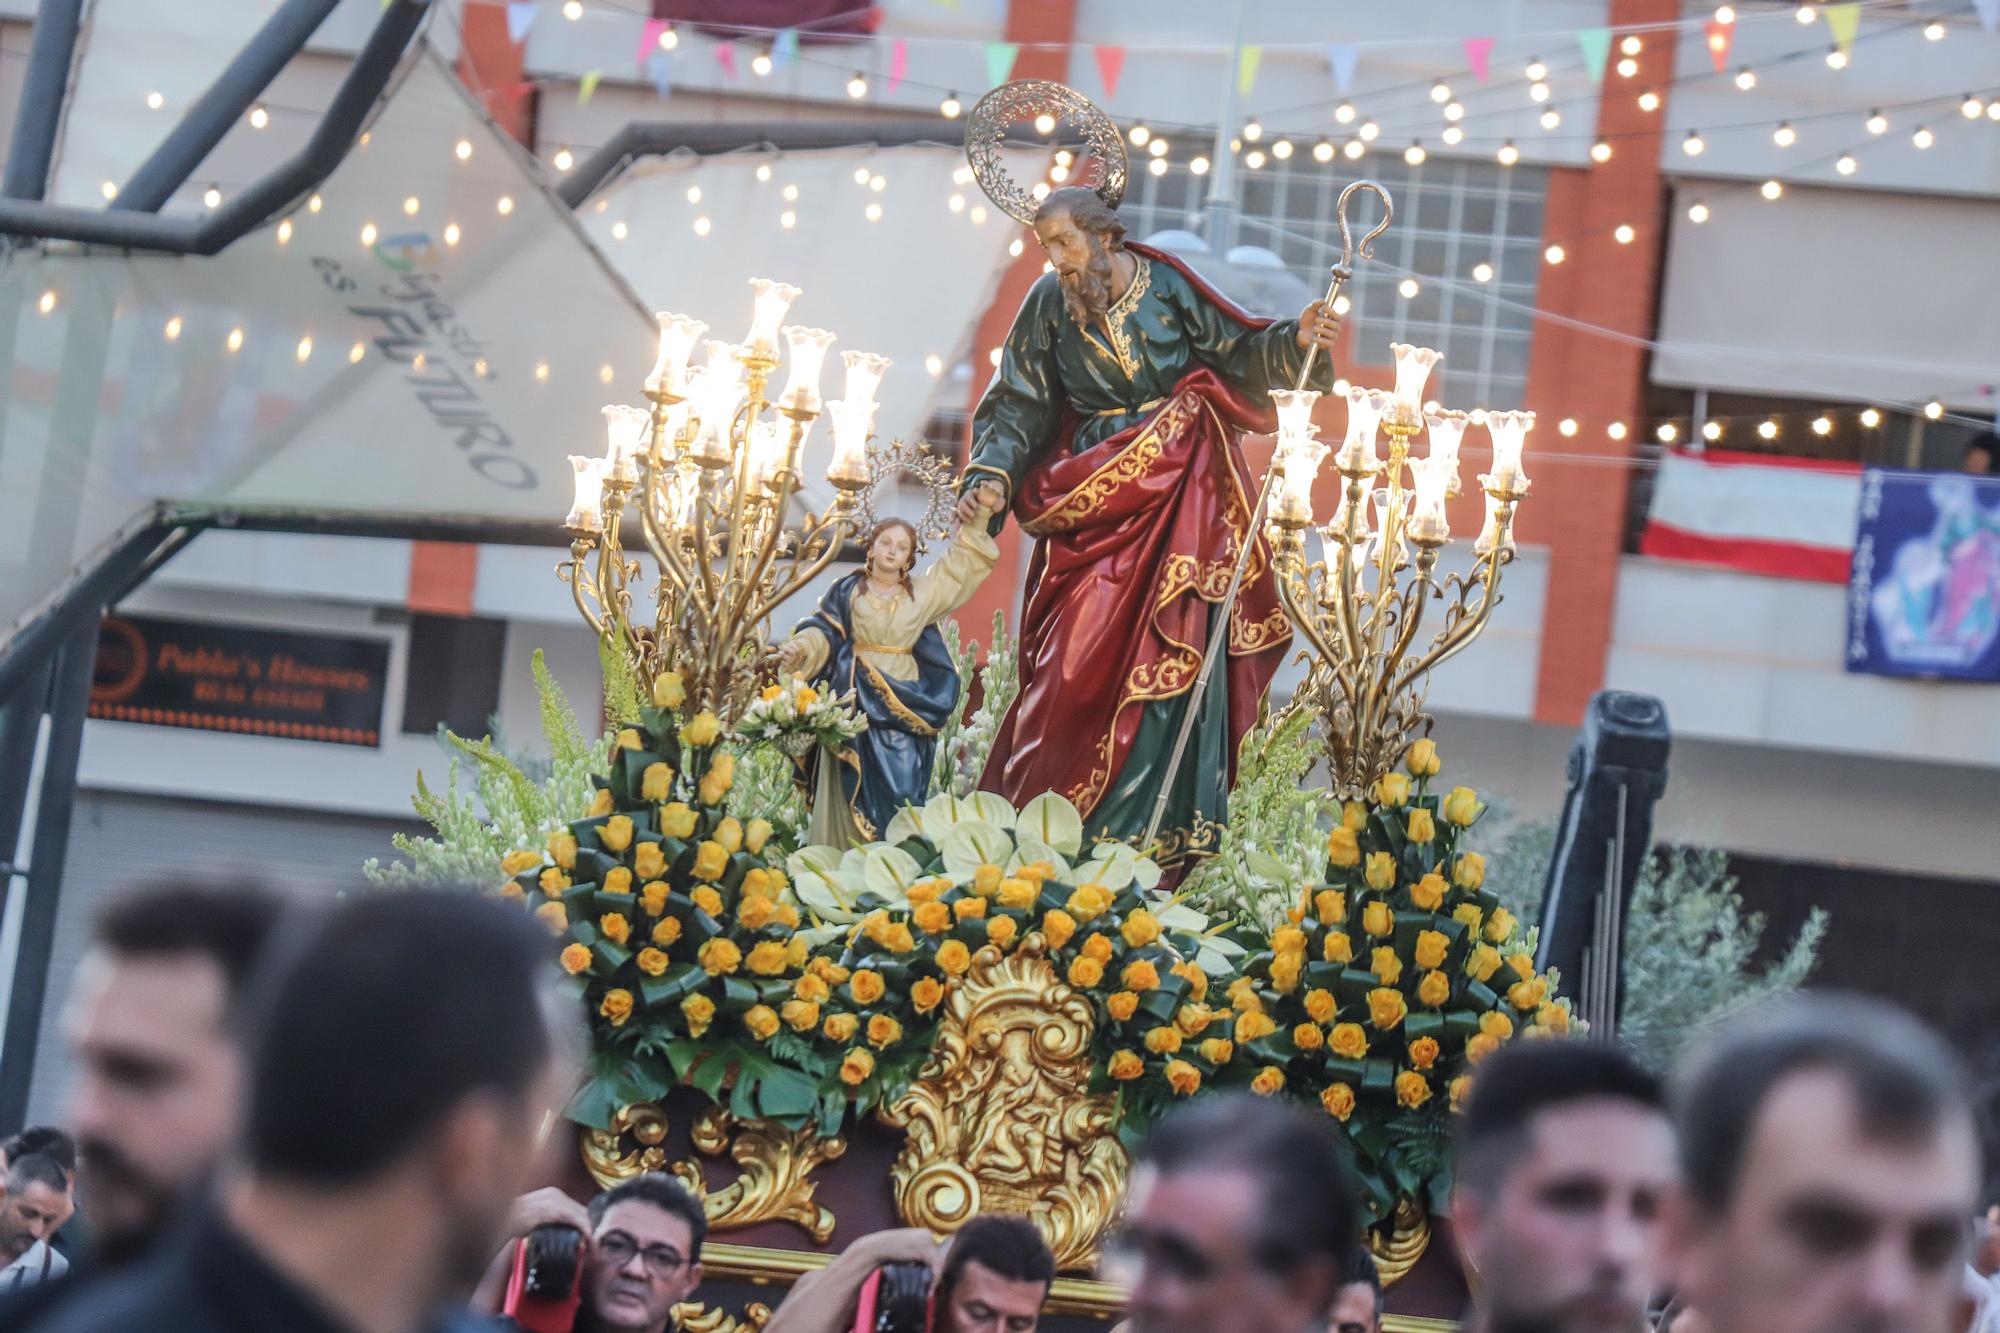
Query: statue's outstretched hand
1319,325
982,500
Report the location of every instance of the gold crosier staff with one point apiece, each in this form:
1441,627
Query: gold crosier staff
1218,642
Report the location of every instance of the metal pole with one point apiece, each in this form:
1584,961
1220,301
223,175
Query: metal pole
44,91
1219,213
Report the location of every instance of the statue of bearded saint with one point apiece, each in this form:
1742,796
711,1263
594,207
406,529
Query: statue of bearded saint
1111,428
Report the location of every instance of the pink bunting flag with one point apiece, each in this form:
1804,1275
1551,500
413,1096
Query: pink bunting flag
1479,55
1721,36
1110,64
725,56
649,38
899,61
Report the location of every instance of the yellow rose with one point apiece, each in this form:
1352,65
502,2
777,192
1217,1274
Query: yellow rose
799,1015
897,939
615,833
1499,926
1193,1019
1434,989
1000,930
1338,948
1377,919
649,861
730,834
614,927
1497,1024
969,909
1428,892
1196,979
927,994
1035,872
575,958
1085,972
701,730
666,931
600,804
1286,969
840,1027
1140,975
617,1006
1288,939
1381,870
1126,1066
1461,806
1330,907
711,790
1552,1018
510,890
1431,948
1523,965
1354,815
1019,894
1469,870
855,1069
1386,1008
1469,916
832,973
1387,967
954,958
1422,760
724,767
761,1021
1098,947
677,820
699,1011
1424,1052
1183,1077
1057,927
513,863
1420,827
1269,1082
1392,789
926,891
562,849
707,899
1349,1041
1251,1026
767,959
1163,1040
1308,1037
1243,996
1412,1089
719,957
884,1032
867,986
1338,1099
1461,1088
1525,995
986,880
1140,929
651,961
933,918
711,860
656,783
1217,1050
553,881
1320,1005
554,917
1085,906
876,926
1343,849
755,834
756,913
812,987
668,692
1482,963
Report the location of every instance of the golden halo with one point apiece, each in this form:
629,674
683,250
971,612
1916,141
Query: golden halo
1023,100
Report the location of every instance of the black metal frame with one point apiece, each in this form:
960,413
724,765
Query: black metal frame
656,138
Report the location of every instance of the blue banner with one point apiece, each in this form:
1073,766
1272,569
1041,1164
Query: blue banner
1923,594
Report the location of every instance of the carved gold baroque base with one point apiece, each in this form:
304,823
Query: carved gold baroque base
1399,1243
1001,1119
700,1319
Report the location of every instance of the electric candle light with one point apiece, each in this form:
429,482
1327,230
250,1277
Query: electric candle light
1509,432
585,514
722,394
678,335
864,373
1446,432
1413,369
1364,415
1495,536
772,300
1295,408
852,423
626,429
808,355
1429,478
767,452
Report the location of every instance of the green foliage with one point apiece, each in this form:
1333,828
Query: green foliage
624,694
1274,840
961,761
767,788
965,659
1689,944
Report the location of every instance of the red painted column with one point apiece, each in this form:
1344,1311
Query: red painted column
1577,508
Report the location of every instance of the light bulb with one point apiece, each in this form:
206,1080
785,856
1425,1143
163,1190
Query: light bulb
864,374
462,149
670,38
702,225
1846,165
1555,254
452,232
1157,167
563,160
47,301
625,439
1453,135
1631,45
1444,431
1295,407
790,193
1253,132
1836,59
1482,272
1772,189
1508,154
760,64
1877,123
1281,150
411,205
1667,433
1784,136
1600,151
1323,151
1697,212
1616,430
1045,123
586,510
1139,134
1454,111
1725,14
504,205
285,232
1624,233
788,219
678,336
259,117
211,197
1567,427
1870,418
1746,78
1413,369
1933,409
173,328
1627,68
572,10
1538,91
1414,155
368,233
1158,148
1767,430
1822,425
1805,14
1365,408
1355,150
763,171
1993,109
1198,166
1923,138
1649,100
1440,92
1344,113
873,212
877,184
857,87
1369,131
852,424
1711,431
1934,31
1536,70
1551,118
1409,289
1971,108
1254,158
1694,144
154,101
951,108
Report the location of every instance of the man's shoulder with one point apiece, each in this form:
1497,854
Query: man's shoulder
147,1298
21,1307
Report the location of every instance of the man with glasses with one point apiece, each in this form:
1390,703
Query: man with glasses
1242,1218
991,1276
644,1256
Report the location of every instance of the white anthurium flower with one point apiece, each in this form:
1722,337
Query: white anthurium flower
827,882
971,844
1051,819
1217,955
1028,851
888,873
819,936
1115,865
905,824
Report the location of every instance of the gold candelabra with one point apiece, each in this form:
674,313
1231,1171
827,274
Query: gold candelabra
1361,603
712,468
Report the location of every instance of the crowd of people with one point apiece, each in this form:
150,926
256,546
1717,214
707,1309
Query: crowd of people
329,1122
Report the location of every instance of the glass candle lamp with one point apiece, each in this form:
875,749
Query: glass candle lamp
1509,431
1429,478
627,428
768,452
1364,415
864,376
1413,370
1295,407
721,395
852,423
678,335
808,355
770,302
1492,536
586,512
1298,468
1447,430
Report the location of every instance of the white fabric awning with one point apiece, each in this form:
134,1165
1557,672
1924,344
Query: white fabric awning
1837,294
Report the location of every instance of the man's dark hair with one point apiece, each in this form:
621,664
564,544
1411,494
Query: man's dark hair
1087,210
36,1169
379,1019
1906,1081
1523,1079
228,924
1361,1273
1311,1206
662,1192
48,1141
1005,1246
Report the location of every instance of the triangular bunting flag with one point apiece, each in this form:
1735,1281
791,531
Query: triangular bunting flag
1247,60
899,61
1989,13
1343,59
1595,43
1720,36
1000,61
660,69
649,39
725,56
586,87
1841,21
520,18
1478,55
1111,63
785,47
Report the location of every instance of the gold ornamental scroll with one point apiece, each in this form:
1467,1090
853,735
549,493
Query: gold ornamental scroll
691,1318
1001,1119
1398,1243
